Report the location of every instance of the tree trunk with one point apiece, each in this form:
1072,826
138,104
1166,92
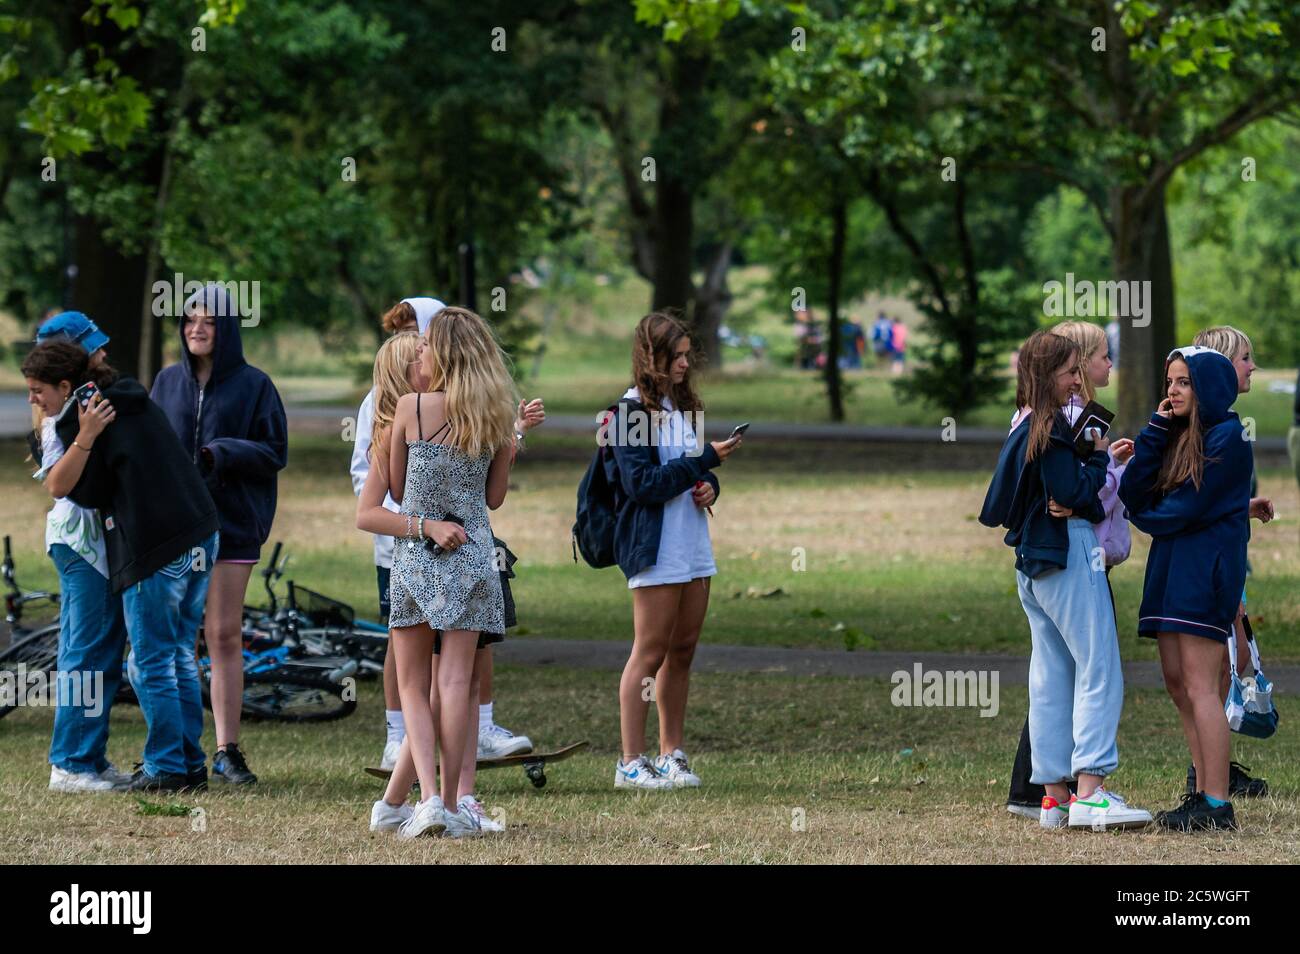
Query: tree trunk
712,300
1142,254
834,389
107,287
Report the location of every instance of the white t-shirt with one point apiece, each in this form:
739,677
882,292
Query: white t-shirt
361,468
73,526
685,550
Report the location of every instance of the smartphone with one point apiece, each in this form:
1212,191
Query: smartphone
86,393
1092,433
740,429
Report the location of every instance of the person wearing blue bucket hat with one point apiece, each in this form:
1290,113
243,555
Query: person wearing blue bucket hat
77,328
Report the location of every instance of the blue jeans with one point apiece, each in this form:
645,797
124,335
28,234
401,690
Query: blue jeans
1076,684
163,614
92,637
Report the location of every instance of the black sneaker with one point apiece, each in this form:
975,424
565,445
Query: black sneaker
142,781
229,766
1195,813
1240,783
197,779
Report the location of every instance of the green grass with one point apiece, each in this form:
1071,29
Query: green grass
796,770
892,557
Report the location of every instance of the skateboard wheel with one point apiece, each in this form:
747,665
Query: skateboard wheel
536,774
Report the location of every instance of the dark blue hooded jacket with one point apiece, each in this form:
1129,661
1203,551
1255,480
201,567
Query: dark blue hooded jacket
1017,496
642,486
238,417
1197,565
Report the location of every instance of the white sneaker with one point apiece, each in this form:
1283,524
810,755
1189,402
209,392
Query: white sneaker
1053,814
119,780
391,750
386,817
675,768
79,782
495,742
428,818
1103,809
639,773
463,823
488,824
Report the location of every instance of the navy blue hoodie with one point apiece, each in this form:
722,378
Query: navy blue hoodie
238,417
1017,496
1197,565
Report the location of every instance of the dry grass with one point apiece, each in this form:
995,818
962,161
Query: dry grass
873,783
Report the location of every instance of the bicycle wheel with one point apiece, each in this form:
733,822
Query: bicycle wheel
38,652
289,695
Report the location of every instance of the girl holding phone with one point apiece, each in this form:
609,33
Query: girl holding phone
1025,798
1076,685
662,491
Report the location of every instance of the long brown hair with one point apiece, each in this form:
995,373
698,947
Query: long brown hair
1184,456
60,360
653,343
1041,356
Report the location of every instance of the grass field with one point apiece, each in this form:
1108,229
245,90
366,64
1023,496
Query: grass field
894,560
894,556
867,782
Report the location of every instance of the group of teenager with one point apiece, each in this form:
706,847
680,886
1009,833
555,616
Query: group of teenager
436,439
1066,500
162,501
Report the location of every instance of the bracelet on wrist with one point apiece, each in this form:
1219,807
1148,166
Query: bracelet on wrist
79,444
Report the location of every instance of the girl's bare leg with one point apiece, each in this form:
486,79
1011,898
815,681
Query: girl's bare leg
223,631
674,677
455,678
1200,660
654,614
414,649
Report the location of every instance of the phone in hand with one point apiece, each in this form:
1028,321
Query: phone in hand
433,547
738,430
85,394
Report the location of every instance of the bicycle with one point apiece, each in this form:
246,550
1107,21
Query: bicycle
283,681
34,648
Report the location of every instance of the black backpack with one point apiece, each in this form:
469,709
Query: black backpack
593,530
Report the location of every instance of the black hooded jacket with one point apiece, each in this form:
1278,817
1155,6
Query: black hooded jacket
147,491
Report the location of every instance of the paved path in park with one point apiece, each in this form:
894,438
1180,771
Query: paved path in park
1013,670
15,421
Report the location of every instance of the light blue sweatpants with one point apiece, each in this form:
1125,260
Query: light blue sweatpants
1076,685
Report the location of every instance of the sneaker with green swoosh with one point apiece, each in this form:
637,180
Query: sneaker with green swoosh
1102,810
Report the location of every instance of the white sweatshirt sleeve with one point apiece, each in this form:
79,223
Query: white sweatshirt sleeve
360,448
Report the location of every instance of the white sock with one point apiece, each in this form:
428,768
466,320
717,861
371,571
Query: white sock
485,717
395,725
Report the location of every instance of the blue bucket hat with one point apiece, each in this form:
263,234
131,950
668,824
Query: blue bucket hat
74,326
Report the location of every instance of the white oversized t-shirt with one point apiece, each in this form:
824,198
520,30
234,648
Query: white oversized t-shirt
685,550
75,527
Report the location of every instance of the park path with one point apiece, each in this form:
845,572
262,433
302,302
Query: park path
1013,670
15,421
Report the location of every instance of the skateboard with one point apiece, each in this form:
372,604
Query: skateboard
534,763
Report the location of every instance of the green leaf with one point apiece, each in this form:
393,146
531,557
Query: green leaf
1183,68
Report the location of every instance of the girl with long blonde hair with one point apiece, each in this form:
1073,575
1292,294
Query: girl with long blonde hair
448,463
